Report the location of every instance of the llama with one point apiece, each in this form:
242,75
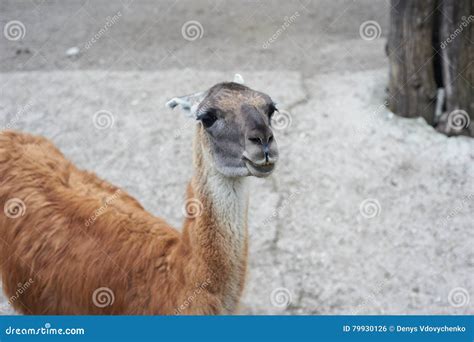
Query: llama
80,258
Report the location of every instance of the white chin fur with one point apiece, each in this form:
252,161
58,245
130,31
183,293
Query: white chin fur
234,171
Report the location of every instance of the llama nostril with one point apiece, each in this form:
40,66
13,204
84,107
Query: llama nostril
270,138
266,152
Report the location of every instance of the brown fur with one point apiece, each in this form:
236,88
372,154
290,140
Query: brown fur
150,267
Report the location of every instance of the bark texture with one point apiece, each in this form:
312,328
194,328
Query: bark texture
431,54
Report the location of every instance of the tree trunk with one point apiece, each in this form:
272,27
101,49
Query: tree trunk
456,49
412,86
431,52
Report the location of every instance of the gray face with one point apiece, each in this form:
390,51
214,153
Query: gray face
237,123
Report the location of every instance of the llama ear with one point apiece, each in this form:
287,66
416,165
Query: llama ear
188,103
238,79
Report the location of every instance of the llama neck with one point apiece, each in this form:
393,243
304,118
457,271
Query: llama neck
218,235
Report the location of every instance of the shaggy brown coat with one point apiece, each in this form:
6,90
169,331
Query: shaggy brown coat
70,253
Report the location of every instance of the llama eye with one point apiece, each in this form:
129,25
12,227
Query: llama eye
208,119
271,109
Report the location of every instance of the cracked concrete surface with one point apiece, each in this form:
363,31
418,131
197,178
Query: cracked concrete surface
314,249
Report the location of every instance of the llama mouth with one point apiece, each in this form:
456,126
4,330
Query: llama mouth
259,170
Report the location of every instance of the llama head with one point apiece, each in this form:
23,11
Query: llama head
235,126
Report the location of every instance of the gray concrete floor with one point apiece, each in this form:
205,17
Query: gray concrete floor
313,247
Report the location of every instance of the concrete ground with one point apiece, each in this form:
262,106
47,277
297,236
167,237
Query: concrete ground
367,212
